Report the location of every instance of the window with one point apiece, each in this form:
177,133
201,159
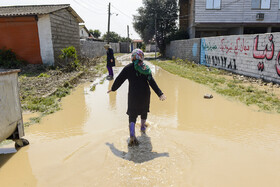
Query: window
213,4
260,4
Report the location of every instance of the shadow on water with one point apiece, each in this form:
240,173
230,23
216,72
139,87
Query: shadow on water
138,154
6,154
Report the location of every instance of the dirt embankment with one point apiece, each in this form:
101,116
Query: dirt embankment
41,87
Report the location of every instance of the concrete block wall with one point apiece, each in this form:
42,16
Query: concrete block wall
251,55
151,48
93,49
65,31
184,49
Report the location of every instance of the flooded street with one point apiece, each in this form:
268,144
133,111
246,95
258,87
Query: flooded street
190,141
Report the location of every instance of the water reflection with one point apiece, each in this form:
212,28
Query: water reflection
138,154
112,97
66,122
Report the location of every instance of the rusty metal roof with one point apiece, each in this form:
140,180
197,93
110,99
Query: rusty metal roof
27,10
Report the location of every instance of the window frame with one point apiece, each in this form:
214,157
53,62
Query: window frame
213,5
260,8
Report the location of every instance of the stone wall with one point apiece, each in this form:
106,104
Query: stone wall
93,49
184,49
250,55
151,48
65,31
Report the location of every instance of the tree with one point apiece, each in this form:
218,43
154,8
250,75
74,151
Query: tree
96,34
164,13
113,37
90,31
123,39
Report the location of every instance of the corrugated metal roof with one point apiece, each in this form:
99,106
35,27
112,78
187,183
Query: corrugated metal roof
7,11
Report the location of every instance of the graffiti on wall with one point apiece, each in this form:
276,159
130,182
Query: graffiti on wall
210,55
257,53
267,52
238,47
194,49
208,46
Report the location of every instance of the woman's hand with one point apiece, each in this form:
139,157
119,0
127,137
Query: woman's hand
111,60
109,91
162,97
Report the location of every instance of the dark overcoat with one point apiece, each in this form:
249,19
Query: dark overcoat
110,55
138,91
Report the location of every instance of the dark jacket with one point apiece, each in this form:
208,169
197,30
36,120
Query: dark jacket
110,55
139,90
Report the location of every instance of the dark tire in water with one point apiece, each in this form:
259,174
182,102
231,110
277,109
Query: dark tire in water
21,143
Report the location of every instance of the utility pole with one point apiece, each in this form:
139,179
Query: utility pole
109,14
127,31
156,35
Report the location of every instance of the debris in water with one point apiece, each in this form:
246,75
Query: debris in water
208,96
93,87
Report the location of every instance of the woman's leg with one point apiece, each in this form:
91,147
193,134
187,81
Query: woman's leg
110,70
143,122
132,121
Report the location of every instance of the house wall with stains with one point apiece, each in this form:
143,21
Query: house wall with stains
65,32
251,55
184,49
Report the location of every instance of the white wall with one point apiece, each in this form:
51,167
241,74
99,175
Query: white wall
252,55
83,33
45,38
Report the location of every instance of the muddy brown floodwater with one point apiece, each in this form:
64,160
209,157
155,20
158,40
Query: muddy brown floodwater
190,141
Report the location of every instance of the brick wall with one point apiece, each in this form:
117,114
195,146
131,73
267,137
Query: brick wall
65,31
184,49
250,55
93,49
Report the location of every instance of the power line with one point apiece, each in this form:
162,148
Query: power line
99,3
92,11
88,4
122,12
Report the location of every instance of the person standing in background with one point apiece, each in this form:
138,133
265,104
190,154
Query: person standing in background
110,61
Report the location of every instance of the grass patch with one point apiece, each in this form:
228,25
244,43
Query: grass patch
215,79
44,75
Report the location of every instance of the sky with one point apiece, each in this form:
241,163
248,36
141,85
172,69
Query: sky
95,13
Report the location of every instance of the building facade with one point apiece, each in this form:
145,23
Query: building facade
205,18
37,33
84,32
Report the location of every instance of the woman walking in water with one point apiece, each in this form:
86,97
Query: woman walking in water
139,77
110,61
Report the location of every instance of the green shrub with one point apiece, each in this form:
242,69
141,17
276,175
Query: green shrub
44,75
69,55
8,59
